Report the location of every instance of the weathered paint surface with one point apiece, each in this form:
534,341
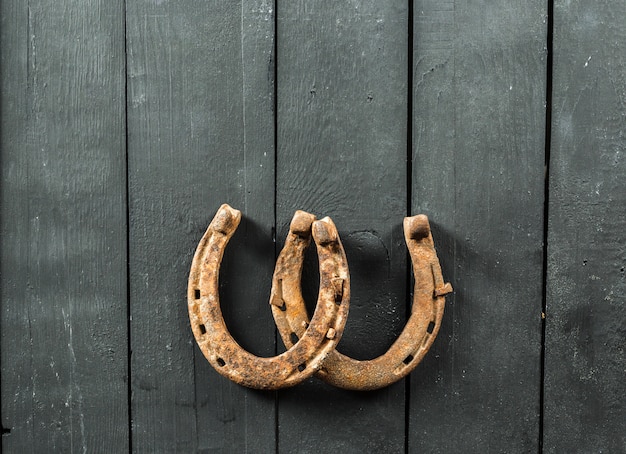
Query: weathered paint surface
585,399
63,277
124,125
479,92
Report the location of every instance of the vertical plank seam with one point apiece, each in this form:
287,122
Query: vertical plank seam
409,203
127,197
275,227
547,147
243,111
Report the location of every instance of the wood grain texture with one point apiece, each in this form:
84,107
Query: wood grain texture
585,404
478,157
200,113
63,213
200,134
342,118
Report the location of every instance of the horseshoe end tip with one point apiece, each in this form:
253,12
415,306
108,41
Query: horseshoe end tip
325,232
417,227
226,207
227,219
301,223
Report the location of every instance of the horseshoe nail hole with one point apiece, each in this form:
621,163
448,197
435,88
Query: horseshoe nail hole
301,367
197,294
221,362
408,359
431,327
294,338
283,307
338,287
202,329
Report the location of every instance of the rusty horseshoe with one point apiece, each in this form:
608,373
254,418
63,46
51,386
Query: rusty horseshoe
314,341
414,341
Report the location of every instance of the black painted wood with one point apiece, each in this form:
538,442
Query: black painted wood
585,407
63,227
200,113
478,156
200,134
342,125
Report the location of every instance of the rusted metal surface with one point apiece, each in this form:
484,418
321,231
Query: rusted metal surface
315,339
414,341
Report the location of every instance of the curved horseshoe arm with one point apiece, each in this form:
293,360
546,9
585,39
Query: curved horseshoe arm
314,342
417,336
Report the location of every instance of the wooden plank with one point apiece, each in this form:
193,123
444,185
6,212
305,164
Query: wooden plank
63,227
478,159
585,407
200,134
342,118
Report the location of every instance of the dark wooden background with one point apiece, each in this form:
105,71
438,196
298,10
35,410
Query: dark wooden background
126,123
